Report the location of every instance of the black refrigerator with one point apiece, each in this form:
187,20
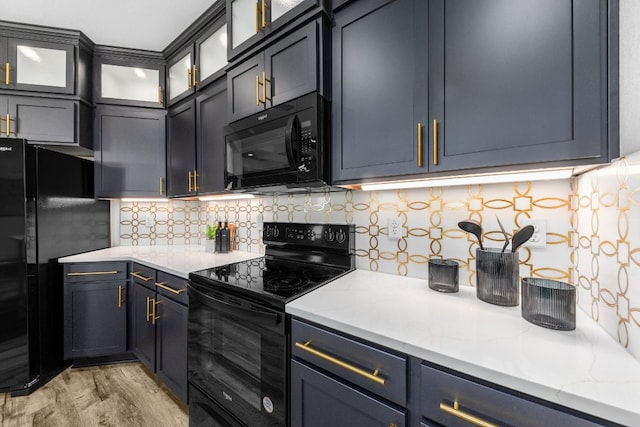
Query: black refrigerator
47,210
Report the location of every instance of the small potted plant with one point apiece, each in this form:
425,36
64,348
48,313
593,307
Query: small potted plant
209,243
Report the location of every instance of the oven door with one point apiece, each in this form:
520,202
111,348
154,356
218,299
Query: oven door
237,355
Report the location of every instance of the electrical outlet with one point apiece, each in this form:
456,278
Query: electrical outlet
148,221
539,238
395,229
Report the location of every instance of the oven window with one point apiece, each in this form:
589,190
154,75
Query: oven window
252,154
238,361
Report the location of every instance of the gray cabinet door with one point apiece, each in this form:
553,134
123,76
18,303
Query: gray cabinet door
516,82
41,120
144,329
211,107
318,400
181,149
129,152
379,88
95,318
171,345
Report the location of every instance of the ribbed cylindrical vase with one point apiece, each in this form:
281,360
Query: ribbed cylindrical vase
549,303
497,276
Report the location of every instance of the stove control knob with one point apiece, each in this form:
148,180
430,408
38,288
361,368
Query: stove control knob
267,230
329,235
276,232
341,236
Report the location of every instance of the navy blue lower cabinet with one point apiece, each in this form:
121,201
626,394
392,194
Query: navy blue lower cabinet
171,345
318,400
454,401
95,310
144,330
159,325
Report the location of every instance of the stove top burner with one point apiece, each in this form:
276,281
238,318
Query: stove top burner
270,277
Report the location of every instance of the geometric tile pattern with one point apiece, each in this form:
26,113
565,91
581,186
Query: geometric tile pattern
593,229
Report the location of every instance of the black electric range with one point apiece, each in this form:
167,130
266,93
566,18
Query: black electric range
238,333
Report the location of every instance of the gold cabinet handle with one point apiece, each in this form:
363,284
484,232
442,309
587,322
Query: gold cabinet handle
92,273
257,17
161,186
419,145
194,75
257,89
189,78
148,308
154,316
7,76
435,142
190,177
9,125
195,181
160,95
456,412
265,80
370,376
1,119
120,296
167,288
264,13
140,276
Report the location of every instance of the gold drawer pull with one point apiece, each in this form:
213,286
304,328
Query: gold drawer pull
148,310
167,288
370,376
140,276
456,412
7,77
91,273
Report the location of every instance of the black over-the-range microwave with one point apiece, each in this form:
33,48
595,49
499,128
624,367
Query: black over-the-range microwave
282,149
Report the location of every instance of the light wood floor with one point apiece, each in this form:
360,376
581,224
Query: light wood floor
112,395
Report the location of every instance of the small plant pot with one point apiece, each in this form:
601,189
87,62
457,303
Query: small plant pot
209,245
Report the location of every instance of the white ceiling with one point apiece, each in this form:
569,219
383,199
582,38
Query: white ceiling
143,24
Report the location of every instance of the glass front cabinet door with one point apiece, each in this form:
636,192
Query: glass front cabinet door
37,66
182,73
250,20
132,84
211,52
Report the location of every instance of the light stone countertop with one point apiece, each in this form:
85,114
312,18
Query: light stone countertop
178,260
584,369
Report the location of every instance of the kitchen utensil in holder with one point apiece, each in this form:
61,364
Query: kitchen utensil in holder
497,276
443,275
549,303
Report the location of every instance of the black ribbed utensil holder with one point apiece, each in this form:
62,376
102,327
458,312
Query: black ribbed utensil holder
549,303
497,276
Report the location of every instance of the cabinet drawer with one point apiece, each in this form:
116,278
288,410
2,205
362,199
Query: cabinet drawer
172,287
91,272
375,370
143,275
442,391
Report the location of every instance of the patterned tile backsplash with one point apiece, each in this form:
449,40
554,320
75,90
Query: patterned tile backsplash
593,231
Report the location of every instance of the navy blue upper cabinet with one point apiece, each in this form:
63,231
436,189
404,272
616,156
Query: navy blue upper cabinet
35,65
517,82
250,21
281,72
199,62
379,88
422,87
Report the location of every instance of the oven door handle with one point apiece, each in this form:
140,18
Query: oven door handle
252,314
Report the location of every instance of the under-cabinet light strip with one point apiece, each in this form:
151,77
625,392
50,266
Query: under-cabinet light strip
473,179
